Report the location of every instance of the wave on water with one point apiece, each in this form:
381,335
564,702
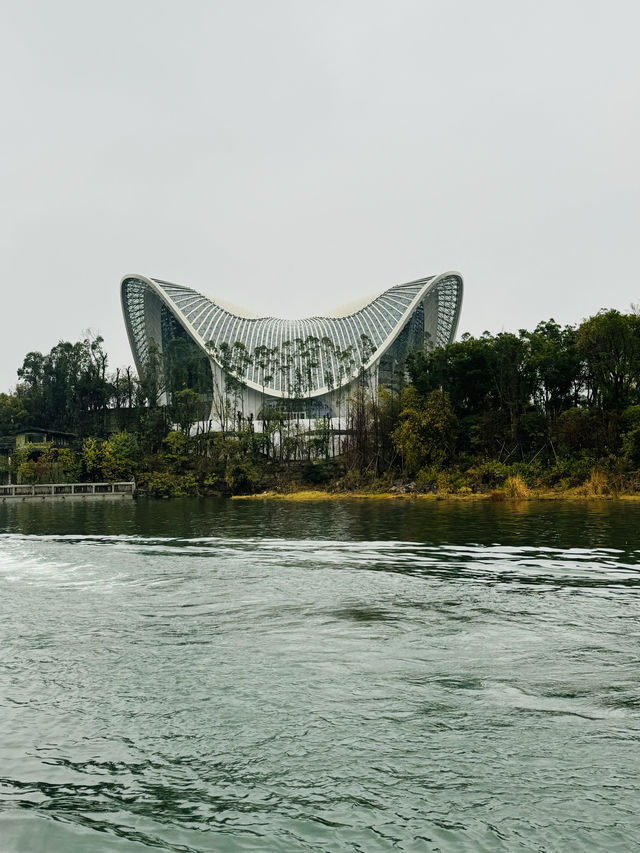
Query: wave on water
53,554
267,693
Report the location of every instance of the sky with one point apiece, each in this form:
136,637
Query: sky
295,155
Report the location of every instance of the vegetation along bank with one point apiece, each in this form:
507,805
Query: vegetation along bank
555,410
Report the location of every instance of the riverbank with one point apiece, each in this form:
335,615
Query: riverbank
495,496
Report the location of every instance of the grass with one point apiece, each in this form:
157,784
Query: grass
594,489
317,495
596,486
515,487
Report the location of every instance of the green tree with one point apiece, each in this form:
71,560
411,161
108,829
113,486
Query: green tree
425,434
13,414
67,389
610,344
92,457
151,385
120,456
187,409
558,366
513,376
462,369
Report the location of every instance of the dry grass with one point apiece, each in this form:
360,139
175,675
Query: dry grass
515,487
597,485
317,495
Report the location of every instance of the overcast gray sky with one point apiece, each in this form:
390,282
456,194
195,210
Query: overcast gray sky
292,155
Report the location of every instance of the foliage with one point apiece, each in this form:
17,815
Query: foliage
164,484
120,456
66,388
321,471
92,458
243,477
507,412
610,345
43,462
177,447
488,474
425,434
187,408
13,413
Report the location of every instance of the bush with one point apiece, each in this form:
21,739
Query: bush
92,457
120,455
160,484
177,447
243,477
631,446
322,471
45,463
427,479
488,475
568,472
426,430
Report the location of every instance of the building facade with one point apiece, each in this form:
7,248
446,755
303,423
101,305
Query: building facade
306,367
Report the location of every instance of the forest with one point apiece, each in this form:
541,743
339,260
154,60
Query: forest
556,408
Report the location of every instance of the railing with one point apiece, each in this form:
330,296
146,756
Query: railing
63,489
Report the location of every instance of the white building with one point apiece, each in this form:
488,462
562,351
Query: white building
305,366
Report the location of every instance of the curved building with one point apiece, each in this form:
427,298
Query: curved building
201,340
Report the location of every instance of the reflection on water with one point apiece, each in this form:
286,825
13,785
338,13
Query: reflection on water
207,675
550,523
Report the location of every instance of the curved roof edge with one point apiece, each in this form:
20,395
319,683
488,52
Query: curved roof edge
154,285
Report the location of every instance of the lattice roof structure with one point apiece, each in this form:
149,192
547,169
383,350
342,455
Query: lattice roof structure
431,305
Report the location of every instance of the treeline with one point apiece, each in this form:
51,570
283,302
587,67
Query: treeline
553,404
556,407
71,389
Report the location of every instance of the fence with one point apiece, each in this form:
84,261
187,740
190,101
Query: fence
62,490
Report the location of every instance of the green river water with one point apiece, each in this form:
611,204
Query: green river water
202,675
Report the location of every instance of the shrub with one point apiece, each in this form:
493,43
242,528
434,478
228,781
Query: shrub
426,430
160,484
321,471
427,479
92,458
177,446
243,477
120,456
490,474
631,446
45,463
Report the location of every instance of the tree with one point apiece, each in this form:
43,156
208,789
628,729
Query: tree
68,388
13,414
610,344
425,434
557,365
513,376
186,409
462,369
120,456
151,385
92,458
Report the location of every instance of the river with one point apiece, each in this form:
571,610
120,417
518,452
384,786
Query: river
204,675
